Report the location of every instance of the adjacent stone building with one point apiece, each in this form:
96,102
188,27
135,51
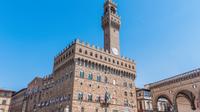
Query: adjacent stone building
87,78
180,93
5,98
18,102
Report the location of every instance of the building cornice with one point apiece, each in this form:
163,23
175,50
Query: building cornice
180,77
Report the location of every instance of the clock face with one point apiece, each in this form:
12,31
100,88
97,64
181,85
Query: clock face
115,51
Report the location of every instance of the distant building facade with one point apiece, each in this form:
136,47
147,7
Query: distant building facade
180,93
145,103
87,78
5,98
144,100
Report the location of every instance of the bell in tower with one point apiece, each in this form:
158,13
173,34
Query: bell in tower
111,25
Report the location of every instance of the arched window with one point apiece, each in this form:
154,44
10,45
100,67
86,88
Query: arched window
96,56
108,59
117,62
98,78
106,80
80,96
101,57
91,54
98,98
90,76
86,52
113,10
125,93
81,74
80,50
90,97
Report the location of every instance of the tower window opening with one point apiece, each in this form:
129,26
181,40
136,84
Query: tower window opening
113,10
106,11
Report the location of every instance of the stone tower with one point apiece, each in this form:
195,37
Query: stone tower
111,25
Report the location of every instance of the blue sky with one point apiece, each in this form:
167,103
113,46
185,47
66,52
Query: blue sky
162,36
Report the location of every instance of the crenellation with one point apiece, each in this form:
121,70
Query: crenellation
77,40
107,52
82,43
101,49
128,63
87,44
97,48
93,47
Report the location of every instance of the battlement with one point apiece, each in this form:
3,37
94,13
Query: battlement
47,77
97,48
110,1
65,49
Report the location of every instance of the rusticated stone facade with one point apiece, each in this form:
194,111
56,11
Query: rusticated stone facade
87,78
182,92
80,72
18,101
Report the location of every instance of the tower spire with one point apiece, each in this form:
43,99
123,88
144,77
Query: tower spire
111,25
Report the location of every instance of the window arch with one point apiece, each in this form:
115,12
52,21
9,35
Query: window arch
106,80
90,97
113,10
81,74
80,50
91,54
86,52
90,76
80,96
96,55
125,93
